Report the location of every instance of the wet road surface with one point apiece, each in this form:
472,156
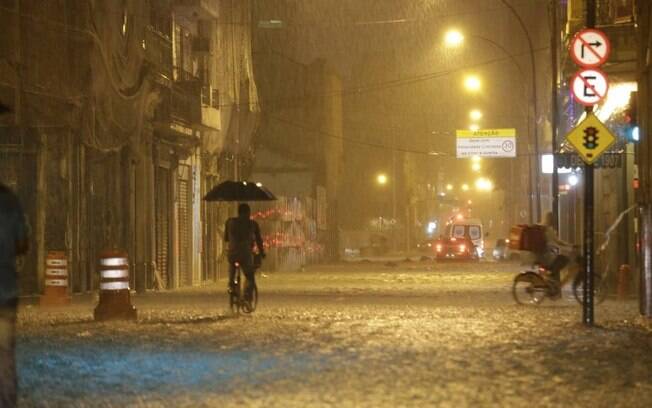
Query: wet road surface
413,334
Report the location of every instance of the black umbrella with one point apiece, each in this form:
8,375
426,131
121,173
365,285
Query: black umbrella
239,191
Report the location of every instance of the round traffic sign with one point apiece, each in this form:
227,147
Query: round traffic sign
590,48
589,86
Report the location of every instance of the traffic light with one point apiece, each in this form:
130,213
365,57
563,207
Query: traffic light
631,119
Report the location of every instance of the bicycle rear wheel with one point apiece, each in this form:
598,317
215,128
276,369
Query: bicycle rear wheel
250,306
529,289
599,289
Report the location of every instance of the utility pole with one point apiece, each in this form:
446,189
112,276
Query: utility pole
535,134
554,116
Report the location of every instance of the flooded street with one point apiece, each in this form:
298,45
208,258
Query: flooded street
364,334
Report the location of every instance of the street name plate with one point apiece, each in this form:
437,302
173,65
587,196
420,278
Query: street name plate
486,143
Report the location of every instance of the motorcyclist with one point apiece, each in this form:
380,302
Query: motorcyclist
240,234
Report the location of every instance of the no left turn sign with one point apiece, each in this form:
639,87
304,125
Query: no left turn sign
590,48
590,86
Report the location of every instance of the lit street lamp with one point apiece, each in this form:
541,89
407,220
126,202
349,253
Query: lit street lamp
472,83
453,38
475,114
483,184
381,179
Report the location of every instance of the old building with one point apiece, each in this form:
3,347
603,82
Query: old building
125,113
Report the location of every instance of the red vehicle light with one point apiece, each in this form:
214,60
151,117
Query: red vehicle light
462,248
438,247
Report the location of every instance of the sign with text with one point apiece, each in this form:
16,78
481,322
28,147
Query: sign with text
486,143
609,160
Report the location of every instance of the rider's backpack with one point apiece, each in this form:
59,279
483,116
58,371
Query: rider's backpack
531,238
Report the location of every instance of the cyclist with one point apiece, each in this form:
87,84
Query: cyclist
553,256
240,234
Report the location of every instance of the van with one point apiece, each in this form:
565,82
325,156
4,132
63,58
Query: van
471,229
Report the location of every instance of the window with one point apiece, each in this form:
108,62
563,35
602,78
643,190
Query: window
474,232
215,98
458,231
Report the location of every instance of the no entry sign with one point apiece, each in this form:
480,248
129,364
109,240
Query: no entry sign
590,48
590,86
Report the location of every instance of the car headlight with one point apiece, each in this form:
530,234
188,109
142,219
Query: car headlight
438,248
462,248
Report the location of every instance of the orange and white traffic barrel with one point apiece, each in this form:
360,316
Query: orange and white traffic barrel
55,292
115,299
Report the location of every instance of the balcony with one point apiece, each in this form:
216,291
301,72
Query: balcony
182,75
158,53
193,10
179,113
609,13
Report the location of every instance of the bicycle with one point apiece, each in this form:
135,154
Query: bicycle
535,285
237,300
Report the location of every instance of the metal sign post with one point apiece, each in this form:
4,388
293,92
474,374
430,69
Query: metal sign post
587,305
590,48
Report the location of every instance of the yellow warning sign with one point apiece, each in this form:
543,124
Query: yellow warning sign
590,138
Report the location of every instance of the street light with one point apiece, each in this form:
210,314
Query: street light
476,167
472,83
453,38
381,179
533,71
449,187
483,184
475,114
465,187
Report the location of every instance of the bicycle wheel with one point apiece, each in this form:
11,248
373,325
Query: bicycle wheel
235,295
599,289
249,306
529,289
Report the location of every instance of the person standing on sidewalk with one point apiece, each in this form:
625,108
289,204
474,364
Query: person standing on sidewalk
13,242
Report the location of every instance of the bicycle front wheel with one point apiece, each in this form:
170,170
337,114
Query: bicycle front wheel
529,289
599,289
234,297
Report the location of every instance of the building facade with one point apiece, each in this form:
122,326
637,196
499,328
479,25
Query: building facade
123,115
